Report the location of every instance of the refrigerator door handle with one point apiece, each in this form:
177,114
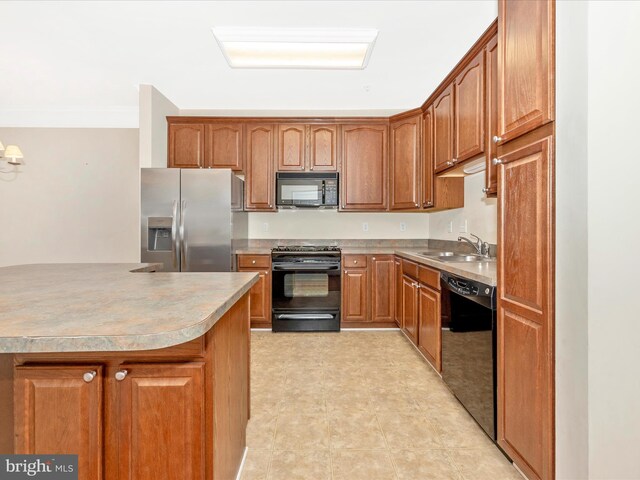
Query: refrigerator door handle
174,235
183,241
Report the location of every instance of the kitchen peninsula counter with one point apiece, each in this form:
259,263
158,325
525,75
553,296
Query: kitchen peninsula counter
142,375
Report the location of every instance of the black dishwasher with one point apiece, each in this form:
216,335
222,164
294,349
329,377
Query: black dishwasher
469,346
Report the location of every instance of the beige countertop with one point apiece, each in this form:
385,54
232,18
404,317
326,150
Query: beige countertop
485,272
106,307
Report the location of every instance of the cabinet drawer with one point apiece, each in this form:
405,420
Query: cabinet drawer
254,261
410,269
354,261
429,277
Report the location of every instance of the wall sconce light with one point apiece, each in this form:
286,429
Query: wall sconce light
12,154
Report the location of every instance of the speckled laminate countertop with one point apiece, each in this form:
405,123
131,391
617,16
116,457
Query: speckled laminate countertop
105,307
485,272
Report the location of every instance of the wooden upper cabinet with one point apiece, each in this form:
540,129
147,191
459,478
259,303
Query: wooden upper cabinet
186,145
382,288
260,181
525,303
491,124
469,110
57,411
291,147
526,59
427,158
223,145
161,427
443,130
323,147
364,165
405,161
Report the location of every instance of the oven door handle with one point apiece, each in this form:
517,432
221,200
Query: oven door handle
319,266
305,316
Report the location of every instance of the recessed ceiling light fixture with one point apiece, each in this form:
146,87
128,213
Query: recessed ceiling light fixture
251,47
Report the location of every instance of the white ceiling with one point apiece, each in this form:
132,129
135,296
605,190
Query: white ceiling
79,63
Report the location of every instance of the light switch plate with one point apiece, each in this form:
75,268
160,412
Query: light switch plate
403,227
365,227
463,227
265,227
450,227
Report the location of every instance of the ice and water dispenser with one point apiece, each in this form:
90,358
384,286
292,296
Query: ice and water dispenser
159,236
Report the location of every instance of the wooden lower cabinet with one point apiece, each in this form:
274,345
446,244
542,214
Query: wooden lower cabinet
397,272
429,333
57,411
410,308
161,425
368,291
525,316
261,292
354,295
178,412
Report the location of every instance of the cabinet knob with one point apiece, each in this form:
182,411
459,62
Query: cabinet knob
355,261
455,160
449,164
497,139
253,262
346,271
301,168
311,168
485,190
270,206
121,375
89,376
416,204
496,161
373,258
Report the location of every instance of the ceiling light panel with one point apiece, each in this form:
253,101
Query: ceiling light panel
245,47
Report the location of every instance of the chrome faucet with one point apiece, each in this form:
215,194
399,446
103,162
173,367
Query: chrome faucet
482,248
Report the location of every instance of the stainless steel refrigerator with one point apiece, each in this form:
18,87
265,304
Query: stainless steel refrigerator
191,218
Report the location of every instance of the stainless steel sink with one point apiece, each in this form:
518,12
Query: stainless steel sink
454,257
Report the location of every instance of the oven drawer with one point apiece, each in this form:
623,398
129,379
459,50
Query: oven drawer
254,261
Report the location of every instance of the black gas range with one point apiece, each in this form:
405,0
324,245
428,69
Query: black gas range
306,288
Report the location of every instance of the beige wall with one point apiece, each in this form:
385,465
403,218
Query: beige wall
481,214
154,109
331,224
76,199
572,432
614,233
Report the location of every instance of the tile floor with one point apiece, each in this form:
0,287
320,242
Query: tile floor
358,405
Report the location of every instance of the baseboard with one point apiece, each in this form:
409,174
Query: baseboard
244,458
370,329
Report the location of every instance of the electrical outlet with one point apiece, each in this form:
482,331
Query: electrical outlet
463,227
403,227
365,227
450,227
265,227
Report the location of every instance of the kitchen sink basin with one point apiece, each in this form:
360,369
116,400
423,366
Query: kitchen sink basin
454,257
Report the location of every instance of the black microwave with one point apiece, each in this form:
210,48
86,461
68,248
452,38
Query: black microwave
307,190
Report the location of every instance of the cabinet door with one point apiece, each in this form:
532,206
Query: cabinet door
260,181
363,182
429,334
58,411
405,160
398,291
260,309
410,308
469,110
525,305
186,145
161,421
491,128
323,147
223,146
291,147
443,130
354,295
427,158
526,61
382,288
